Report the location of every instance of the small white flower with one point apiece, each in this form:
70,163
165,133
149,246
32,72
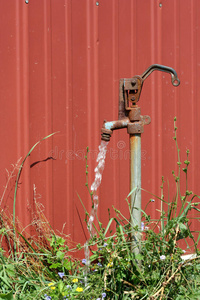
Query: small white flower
142,226
162,257
91,219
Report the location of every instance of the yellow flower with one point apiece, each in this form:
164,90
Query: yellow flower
110,264
75,280
79,289
50,285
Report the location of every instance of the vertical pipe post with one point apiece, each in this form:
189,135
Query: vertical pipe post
135,183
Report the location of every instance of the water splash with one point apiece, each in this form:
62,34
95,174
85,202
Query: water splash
95,185
97,181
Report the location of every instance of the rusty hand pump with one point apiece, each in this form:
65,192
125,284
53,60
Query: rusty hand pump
129,93
130,117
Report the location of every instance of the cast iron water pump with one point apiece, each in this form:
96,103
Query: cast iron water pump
130,117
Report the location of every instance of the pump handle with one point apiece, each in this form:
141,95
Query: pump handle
175,80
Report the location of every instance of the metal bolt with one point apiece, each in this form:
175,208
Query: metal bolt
26,1
160,4
133,82
97,3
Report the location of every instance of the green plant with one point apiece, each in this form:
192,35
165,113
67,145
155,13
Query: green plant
161,272
27,264
43,267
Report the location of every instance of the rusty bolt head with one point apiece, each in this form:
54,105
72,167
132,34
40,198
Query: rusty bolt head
133,82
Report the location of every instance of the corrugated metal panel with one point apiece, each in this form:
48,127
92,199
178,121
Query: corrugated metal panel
61,62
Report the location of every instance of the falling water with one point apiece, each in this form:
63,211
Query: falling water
95,185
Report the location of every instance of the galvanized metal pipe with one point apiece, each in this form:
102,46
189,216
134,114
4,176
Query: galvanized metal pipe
113,125
135,185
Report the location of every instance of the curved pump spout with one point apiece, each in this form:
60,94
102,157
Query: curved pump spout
108,128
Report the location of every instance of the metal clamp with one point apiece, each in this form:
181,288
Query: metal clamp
138,127
137,122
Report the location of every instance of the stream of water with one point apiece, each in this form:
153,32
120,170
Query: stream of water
95,185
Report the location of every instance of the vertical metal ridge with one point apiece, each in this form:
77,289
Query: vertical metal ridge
96,118
133,37
25,55
96,75
90,104
176,59
89,58
18,80
22,99
193,76
52,113
197,15
153,106
115,94
159,88
25,79
69,122
176,44
18,95
58,83
48,108
197,92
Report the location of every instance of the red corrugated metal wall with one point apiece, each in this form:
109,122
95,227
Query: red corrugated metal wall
61,61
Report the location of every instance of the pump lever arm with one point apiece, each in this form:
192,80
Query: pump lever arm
175,80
